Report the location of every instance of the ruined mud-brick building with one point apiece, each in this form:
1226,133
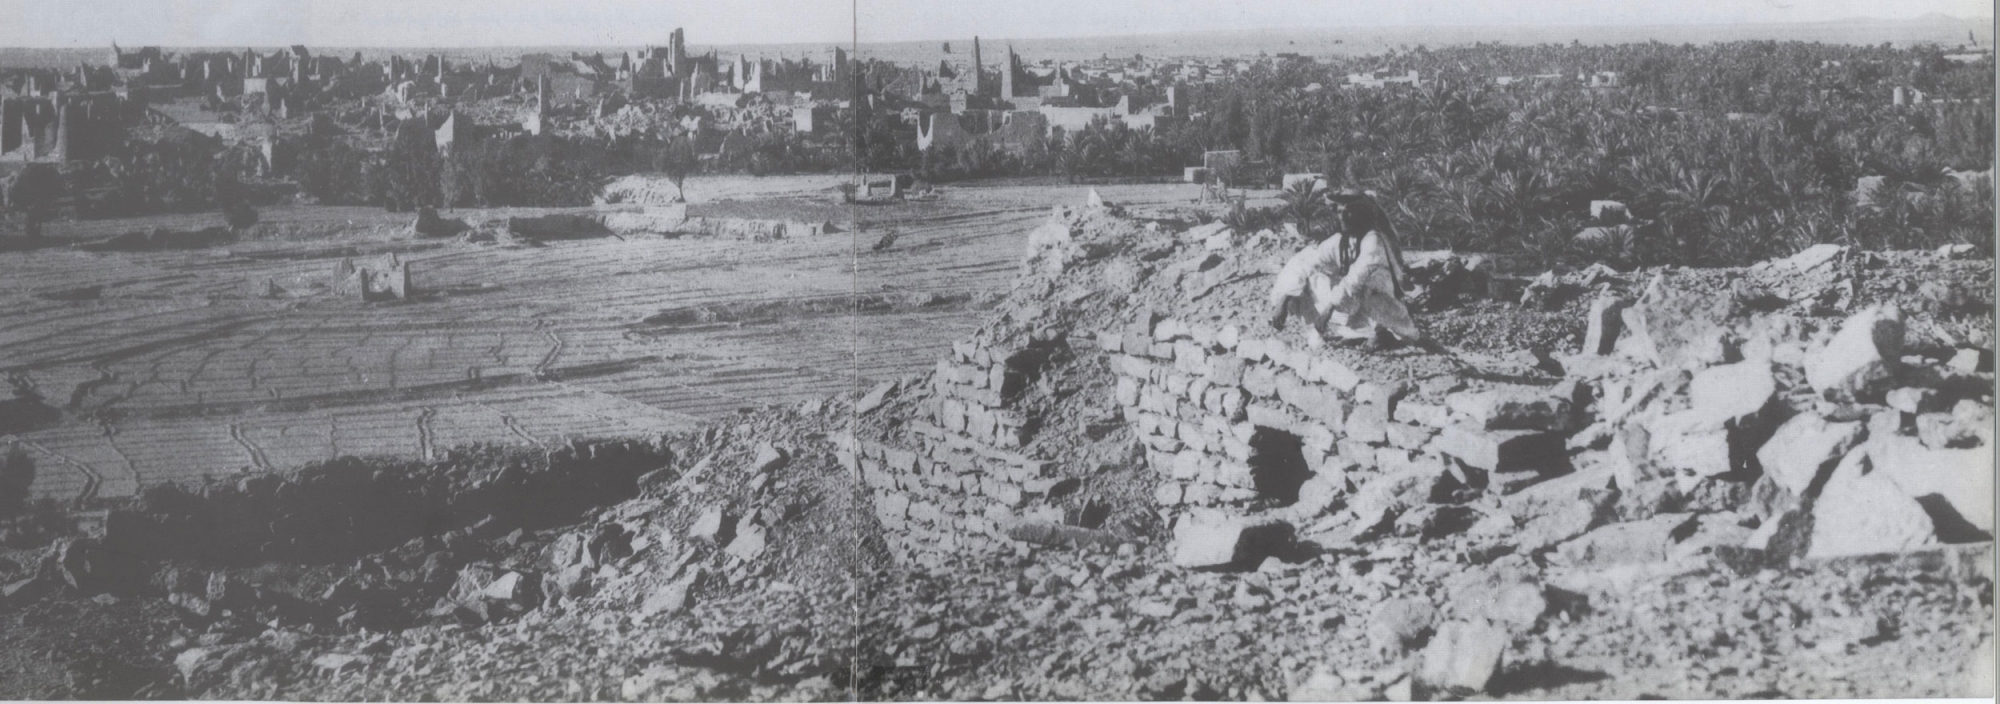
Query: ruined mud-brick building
59,129
1761,415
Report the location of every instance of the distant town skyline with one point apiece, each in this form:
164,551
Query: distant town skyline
399,23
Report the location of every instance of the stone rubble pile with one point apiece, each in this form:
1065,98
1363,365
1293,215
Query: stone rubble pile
1833,440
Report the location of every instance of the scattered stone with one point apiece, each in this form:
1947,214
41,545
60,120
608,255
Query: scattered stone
672,597
1230,543
1601,336
336,663
1913,400
1398,625
1959,250
1649,540
875,398
1522,408
1731,392
1968,361
1809,258
1862,512
713,526
1940,479
751,539
1692,441
1502,450
1805,449
1861,360
770,458
1056,534
1462,658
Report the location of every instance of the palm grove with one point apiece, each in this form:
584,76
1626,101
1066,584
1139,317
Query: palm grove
1729,152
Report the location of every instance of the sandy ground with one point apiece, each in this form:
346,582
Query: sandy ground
177,365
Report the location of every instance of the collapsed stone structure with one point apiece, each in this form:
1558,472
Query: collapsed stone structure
386,278
1769,403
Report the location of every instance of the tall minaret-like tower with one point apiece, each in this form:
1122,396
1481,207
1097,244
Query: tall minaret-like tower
978,70
1007,74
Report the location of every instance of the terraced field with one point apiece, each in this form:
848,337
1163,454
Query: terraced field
179,365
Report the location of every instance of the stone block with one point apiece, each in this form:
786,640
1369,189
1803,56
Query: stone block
1677,321
1235,449
1409,436
1235,474
1261,381
1860,361
1732,392
1604,324
1252,349
1356,450
1369,424
1268,416
1863,512
1140,345
1502,450
1806,448
1461,659
1914,400
1127,392
1384,394
1694,441
1128,365
1335,373
1187,466
1961,480
1226,370
1168,494
1512,408
1110,341
1200,494
1229,544
1426,414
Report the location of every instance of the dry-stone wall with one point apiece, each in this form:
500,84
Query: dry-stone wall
963,482
1242,428
1720,395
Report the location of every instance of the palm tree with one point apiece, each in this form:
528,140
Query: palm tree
1304,206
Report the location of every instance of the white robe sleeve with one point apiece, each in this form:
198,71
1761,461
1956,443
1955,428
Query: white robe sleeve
1371,261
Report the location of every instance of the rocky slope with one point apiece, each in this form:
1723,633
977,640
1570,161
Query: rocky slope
1738,483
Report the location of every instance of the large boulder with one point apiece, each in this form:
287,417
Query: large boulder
1513,408
1604,322
1805,449
1860,362
1953,485
1462,658
1677,321
1230,543
1692,441
1863,512
1732,392
1503,450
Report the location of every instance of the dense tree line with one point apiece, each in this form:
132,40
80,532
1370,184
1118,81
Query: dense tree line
1728,152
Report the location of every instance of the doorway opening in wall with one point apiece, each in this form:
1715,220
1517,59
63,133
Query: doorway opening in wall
1025,367
1277,464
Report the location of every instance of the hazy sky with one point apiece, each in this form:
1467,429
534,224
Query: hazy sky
89,23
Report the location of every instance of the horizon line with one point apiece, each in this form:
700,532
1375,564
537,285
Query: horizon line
1986,20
